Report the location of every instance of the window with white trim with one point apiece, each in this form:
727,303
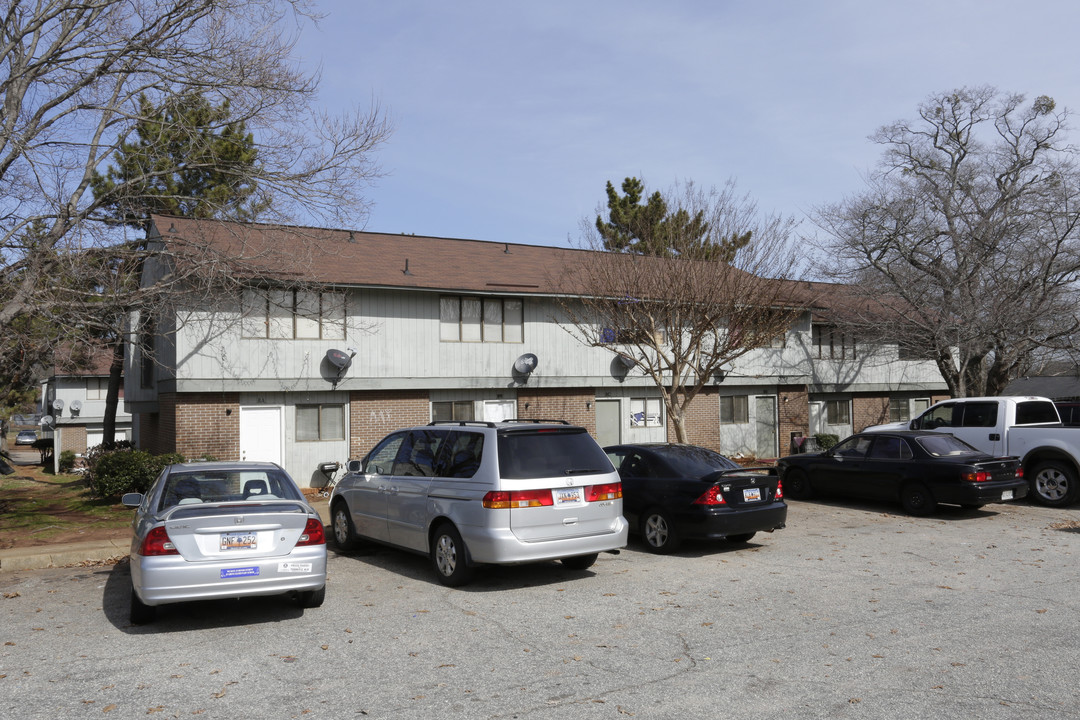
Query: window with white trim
453,410
476,319
97,388
320,422
734,409
292,314
837,412
831,342
899,410
646,412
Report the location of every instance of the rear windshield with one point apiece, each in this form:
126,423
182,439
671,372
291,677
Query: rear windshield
1033,412
691,461
946,446
193,488
549,453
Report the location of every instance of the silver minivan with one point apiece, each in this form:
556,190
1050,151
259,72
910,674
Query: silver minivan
469,493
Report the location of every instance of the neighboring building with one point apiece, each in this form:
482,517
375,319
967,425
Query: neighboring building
73,398
393,330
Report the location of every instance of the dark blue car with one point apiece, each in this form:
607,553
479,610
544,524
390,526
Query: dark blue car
673,492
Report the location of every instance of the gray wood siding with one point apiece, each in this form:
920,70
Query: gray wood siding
397,341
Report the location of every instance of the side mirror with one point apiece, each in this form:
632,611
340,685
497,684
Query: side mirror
132,500
355,466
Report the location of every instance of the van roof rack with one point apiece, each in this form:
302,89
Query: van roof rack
485,423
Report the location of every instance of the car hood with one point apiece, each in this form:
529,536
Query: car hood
888,427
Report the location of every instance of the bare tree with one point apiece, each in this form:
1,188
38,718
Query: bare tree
964,246
77,78
682,318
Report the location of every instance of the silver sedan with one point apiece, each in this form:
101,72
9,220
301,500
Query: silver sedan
224,530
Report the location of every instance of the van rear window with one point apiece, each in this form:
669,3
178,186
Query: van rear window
1034,412
526,455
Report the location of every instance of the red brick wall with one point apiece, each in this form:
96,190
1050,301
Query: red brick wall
867,410
702,420
208,424
374,413
559,404
793,414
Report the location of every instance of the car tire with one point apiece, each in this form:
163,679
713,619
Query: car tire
659,533
797,484
311,598
917,500
579,562
742,537
140,613
1053,484
449,556
345,537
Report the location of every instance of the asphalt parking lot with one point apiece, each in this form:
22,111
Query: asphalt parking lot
851,611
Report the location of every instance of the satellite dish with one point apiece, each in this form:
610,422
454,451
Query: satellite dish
76,406
339,358
47,420
526,364
58,405
626,361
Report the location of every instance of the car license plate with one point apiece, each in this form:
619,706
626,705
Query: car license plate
568,496
751,494
1006,494
239,541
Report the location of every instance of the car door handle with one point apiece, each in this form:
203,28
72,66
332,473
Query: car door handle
994,437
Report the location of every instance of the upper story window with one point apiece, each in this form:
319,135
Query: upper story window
288,314
831,342
474,319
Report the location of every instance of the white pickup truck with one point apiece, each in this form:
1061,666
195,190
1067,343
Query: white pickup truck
1027,427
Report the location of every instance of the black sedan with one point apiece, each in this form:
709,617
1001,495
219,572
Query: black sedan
917,469
674,492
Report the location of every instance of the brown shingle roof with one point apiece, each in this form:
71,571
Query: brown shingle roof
345,257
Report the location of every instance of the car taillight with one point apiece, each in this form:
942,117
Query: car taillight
779,489
978,476
1019,473
505,500
157,542
608,491
314,534
711,496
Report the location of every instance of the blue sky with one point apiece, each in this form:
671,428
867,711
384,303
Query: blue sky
510,116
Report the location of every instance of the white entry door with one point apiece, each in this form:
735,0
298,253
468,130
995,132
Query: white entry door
260,434
499,410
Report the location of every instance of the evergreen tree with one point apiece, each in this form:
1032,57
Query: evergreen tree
649,228
187,159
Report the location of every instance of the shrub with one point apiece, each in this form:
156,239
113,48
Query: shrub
67,461
826,440
113,472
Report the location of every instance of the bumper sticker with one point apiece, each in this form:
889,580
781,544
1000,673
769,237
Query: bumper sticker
239,572
294,567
